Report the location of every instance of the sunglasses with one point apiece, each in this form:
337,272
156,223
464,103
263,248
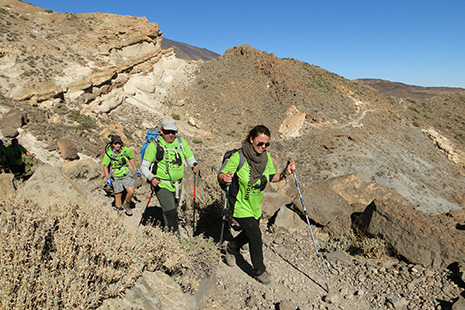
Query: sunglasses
263,143
169,132
117,143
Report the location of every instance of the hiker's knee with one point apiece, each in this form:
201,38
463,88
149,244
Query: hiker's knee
130,191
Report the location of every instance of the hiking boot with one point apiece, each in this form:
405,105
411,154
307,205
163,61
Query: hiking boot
265,278
229,257
127,208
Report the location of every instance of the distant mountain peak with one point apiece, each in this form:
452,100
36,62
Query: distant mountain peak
188,52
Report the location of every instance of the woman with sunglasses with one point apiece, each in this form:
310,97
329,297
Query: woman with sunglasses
246,193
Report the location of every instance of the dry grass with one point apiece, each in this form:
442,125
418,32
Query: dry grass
375,248
72,257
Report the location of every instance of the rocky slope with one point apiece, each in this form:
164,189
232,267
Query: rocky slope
364,160
388,88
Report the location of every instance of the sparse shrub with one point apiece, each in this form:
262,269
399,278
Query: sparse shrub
85,122
24,17
176,117
49,11
71,257
362,245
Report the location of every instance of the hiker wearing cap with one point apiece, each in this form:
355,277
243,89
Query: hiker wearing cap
116,169
245,196
163,166
14,157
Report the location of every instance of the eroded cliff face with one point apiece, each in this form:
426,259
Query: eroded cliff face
79,57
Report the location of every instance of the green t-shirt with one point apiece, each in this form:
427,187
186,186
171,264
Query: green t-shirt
172,166
245,200
14,155
119,161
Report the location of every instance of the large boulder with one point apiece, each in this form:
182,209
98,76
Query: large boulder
412,234
153,290
272,202
86,169
15,119
287,220
67,149
332,202
327,208
47,186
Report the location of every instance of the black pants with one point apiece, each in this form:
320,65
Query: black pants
18,170
252,235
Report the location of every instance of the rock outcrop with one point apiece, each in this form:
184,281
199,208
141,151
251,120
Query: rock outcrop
82,58
412,234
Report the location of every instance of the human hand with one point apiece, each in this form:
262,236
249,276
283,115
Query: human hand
138,173
227,177
109,181
196,168
291,167
155,181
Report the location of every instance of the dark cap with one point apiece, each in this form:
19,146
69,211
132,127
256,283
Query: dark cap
115,139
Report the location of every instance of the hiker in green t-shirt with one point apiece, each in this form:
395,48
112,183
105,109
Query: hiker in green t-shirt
163,166
14,157
116,169
246,193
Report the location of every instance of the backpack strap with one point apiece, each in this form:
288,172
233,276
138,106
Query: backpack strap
113,156
241,160
156,141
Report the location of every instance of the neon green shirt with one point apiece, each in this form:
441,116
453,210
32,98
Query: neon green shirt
246,200
119,161
172,166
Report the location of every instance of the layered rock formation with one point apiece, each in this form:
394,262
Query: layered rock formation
75,56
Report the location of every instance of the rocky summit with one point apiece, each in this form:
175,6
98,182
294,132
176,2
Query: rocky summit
382,175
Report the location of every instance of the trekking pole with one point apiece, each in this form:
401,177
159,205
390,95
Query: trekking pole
313,237
224,212
148,203
194,205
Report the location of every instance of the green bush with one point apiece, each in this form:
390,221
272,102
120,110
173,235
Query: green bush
85,121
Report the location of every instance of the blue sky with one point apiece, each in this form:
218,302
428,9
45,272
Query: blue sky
418,42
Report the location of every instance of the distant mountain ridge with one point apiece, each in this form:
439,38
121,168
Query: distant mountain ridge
388,88
188,52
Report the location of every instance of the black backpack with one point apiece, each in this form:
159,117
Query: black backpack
226,157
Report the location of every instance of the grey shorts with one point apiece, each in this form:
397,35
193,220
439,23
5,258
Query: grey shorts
124,182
